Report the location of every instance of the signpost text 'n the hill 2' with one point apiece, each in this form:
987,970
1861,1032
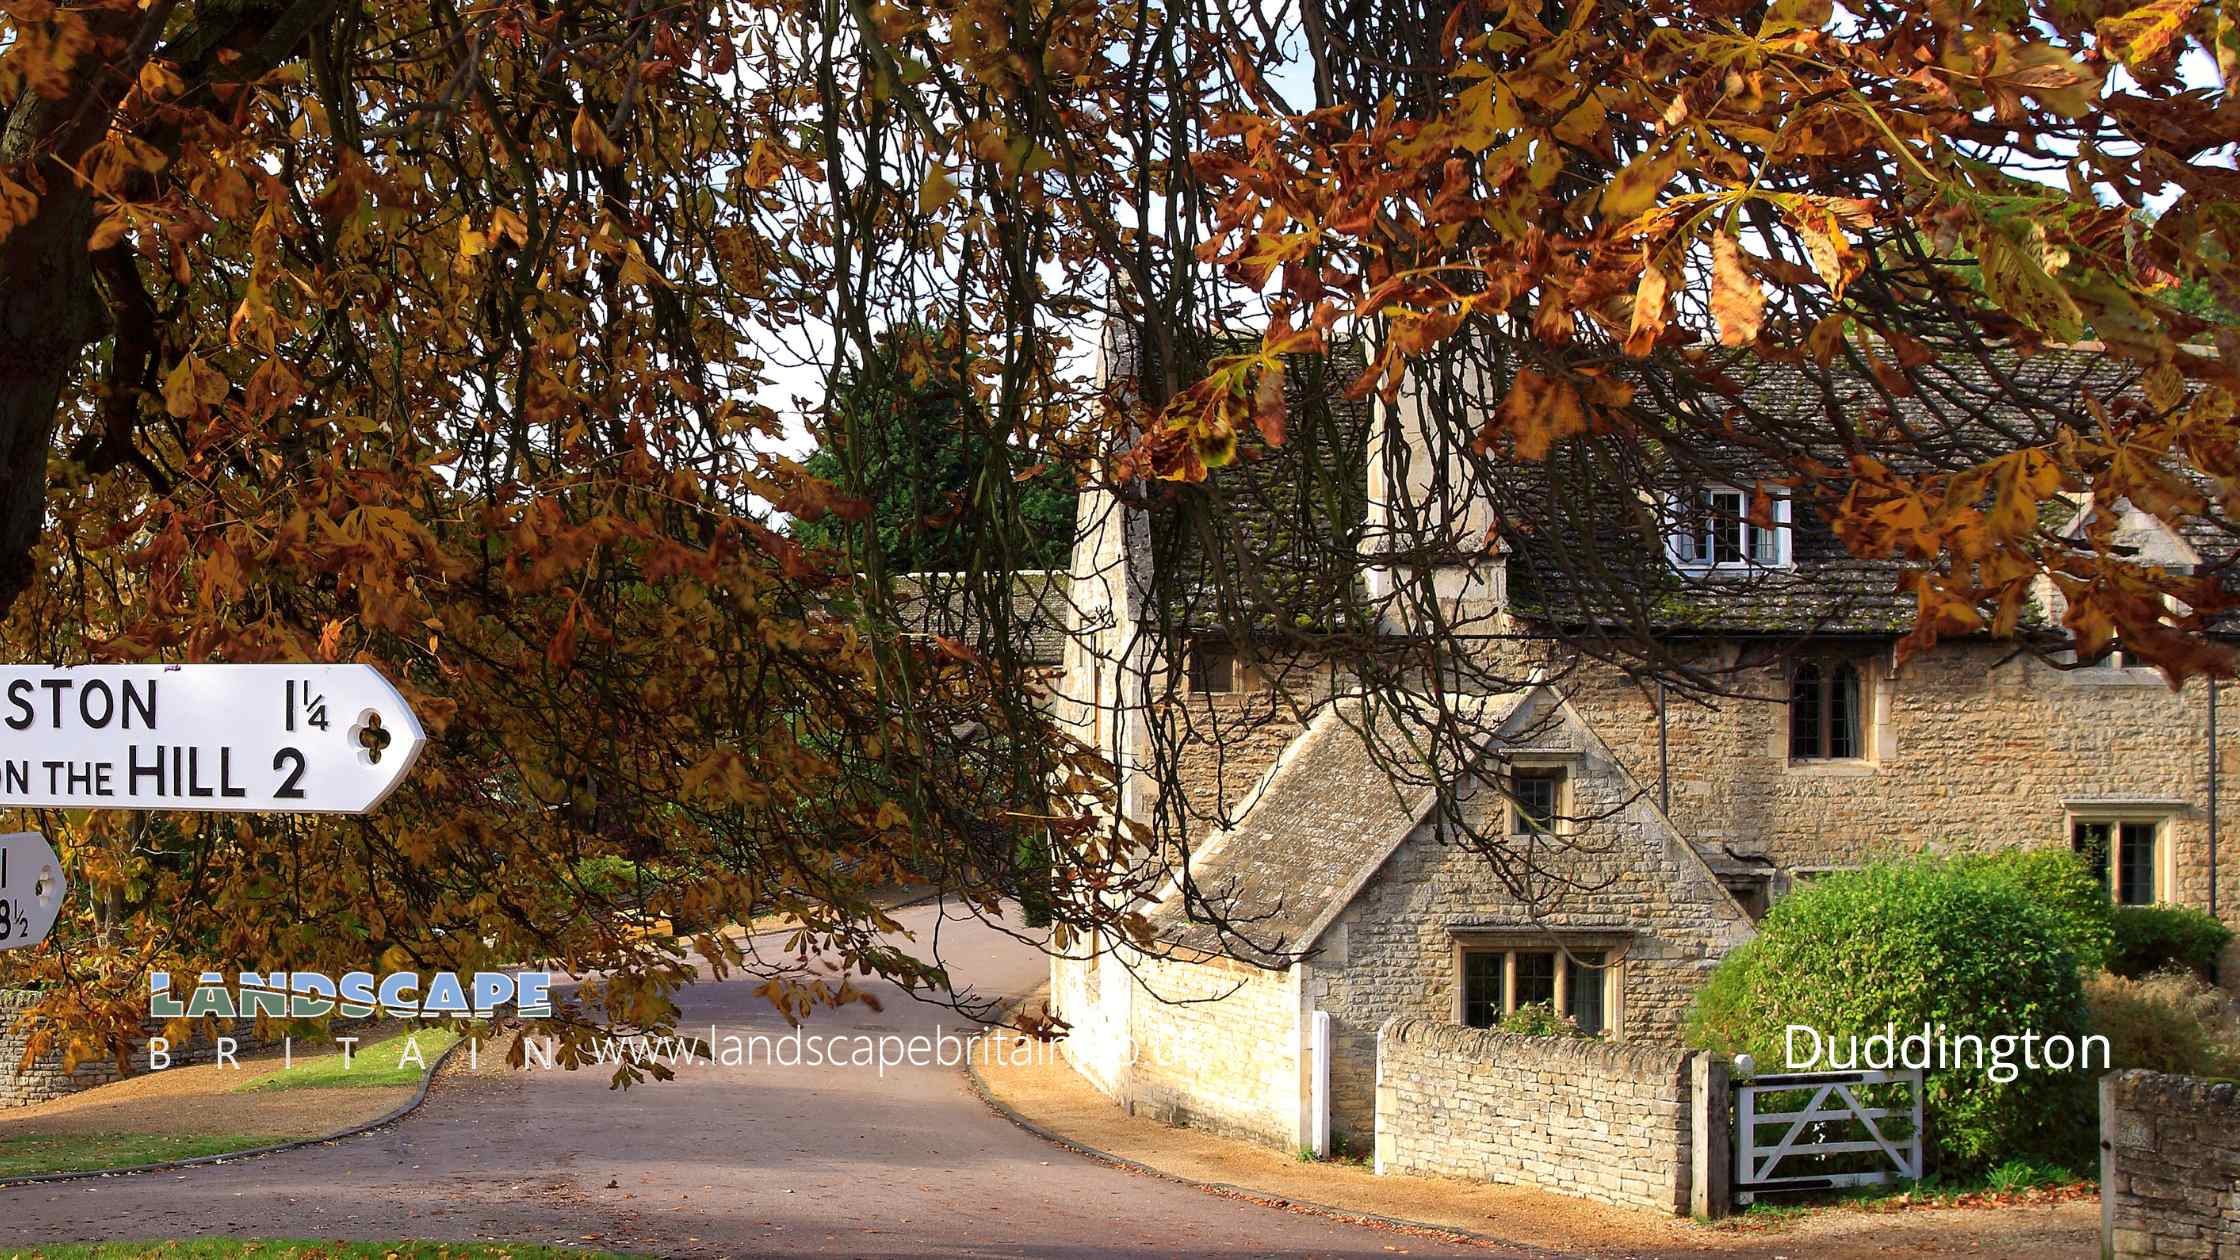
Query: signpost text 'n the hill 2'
298,739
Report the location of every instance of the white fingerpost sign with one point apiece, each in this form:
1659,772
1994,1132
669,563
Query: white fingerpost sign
31,889
295,739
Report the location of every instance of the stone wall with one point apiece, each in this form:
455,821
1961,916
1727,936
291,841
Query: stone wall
1215,1044
2169,1166
45,1080
1629,884
1585,1118
1222,745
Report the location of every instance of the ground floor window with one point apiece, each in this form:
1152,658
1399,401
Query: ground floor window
2126,853
1496,982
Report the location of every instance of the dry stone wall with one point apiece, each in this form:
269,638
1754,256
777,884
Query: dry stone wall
46,1079
2169,1166
1591,1119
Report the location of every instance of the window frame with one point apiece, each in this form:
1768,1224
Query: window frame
1204,654
1540,768
1689,529
1863,733
2161,860
1567,965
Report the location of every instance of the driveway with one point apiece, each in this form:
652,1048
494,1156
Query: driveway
723,1161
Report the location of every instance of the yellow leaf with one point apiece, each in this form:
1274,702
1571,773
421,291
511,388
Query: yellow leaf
472,243
1648,312
2024,289
937,191
1737,303
17,204
159,81
1541,411
2141,35
2224,37
2053,76
764,165
192,387
1830,250
110,230
1634,189
589,139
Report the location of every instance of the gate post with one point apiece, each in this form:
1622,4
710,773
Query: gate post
1710,1186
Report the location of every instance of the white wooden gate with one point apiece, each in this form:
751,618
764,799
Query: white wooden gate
1833,1122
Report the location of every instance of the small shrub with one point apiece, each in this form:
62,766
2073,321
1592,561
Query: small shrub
608,877
2172,1022
1539,1019
2058,882
2026,1174
1914,943
2156,938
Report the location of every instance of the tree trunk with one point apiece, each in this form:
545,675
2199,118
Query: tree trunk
49,312
48,317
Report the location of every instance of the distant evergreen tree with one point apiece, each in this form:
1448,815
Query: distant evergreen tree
918,462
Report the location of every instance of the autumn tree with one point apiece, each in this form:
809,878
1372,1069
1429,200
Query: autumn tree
440,339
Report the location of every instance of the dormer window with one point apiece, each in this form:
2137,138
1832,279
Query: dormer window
1718,534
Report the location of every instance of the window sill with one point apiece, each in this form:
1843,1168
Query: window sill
1834,768
1731,572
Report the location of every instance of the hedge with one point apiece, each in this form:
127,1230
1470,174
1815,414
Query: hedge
1913,943
2162,938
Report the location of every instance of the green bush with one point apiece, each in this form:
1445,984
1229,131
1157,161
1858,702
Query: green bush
1914,943
608,877
2172,1022
2059,882
1539,1019
2156,938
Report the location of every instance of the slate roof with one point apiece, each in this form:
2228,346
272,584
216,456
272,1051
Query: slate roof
1329,813
1955,414
1295,547
1271,522
938,603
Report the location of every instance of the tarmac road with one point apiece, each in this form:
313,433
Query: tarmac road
723,1161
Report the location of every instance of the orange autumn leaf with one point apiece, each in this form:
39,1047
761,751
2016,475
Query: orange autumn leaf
1737,303
1540,411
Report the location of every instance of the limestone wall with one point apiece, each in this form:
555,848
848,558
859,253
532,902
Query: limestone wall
2169,1166
1215,1045
1585,1118
1970,754
1222,745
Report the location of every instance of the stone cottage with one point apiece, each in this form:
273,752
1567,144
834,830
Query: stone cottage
1826,752
1334,894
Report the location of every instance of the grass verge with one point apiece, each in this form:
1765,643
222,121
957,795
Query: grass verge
30,1154
384,1063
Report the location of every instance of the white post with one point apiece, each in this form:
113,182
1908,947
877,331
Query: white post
1319,1113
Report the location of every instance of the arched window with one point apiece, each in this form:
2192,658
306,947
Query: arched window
1825,721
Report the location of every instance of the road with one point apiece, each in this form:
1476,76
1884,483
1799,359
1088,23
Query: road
723,1161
